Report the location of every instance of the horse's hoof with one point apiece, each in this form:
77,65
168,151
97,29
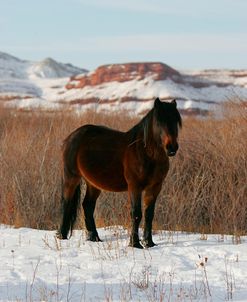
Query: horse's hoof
60,236
146,244
93,237
97,239
136,245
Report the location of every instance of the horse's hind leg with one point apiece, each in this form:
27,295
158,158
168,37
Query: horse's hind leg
71,194
88,204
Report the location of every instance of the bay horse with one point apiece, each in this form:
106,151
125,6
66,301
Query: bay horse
135,161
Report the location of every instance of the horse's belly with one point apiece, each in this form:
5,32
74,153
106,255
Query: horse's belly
104,172
100,158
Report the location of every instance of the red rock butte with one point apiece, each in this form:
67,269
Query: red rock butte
123,73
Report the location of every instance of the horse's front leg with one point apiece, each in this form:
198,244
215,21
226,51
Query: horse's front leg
136,216
150,196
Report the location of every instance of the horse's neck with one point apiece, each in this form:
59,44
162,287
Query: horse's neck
139,132
143,136
152,146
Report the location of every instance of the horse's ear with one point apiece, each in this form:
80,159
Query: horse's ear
157,102
174,102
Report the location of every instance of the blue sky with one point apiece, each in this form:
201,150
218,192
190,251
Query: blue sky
185,34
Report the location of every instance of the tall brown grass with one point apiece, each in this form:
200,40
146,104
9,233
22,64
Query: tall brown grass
205,190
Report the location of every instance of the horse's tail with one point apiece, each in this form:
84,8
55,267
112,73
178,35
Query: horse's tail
71,183
70,210
70,150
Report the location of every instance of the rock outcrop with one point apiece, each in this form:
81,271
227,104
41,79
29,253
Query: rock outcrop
123,73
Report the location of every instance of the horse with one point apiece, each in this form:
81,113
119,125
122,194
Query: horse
136,161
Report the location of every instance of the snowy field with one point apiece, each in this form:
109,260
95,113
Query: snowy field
35,266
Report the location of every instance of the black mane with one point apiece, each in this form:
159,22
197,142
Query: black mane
164,114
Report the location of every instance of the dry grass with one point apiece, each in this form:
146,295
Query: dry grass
205,190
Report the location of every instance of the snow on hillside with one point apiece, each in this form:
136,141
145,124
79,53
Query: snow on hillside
49,68
205,98
26,84
12,67
42,85
35,266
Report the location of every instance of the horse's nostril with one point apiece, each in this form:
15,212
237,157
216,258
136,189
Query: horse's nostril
171,150
171,153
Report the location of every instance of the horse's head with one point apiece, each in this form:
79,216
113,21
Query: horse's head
167,120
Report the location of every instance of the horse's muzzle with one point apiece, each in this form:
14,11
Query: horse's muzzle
171,153
171,150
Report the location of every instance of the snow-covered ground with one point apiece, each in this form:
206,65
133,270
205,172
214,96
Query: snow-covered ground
35,266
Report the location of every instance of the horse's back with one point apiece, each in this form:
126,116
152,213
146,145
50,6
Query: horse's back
98,154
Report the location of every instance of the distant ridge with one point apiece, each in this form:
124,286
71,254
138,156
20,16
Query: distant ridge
14,67
49,68
7,57
50,85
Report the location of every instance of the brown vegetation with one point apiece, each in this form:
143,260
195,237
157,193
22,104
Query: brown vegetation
205,190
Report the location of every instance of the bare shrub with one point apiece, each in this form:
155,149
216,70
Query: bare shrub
204,191
30,176
206,187
30,159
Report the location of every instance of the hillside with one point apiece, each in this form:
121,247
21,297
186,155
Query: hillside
50,85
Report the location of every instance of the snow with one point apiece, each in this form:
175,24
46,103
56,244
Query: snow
35,266
41,85
206,98
31,83
53,92
49,68
12,67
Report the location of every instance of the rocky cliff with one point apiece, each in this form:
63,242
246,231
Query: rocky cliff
124,73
